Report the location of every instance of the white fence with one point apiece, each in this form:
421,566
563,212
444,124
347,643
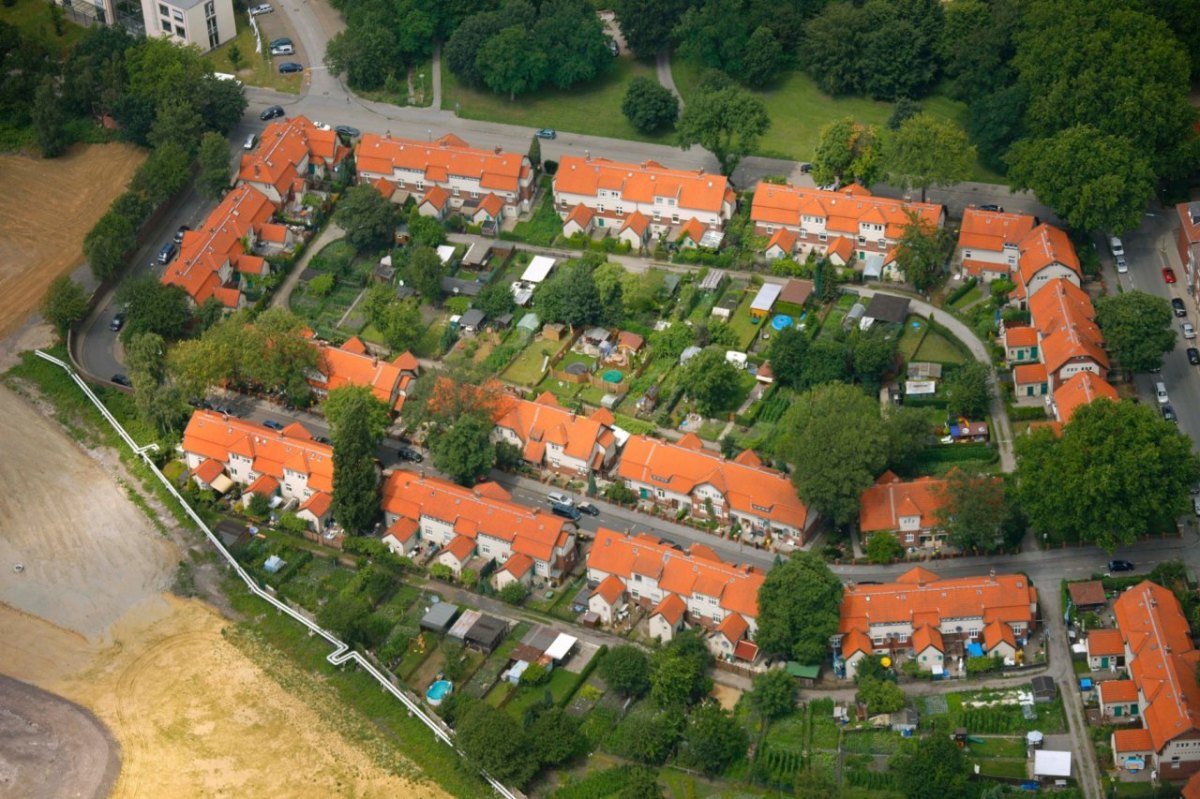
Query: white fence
341,653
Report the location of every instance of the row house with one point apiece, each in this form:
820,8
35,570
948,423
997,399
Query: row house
684,475
554,437
1187,245
679,587
427,510
1078,391
1160,661
850,223
1045,255
221,451
989,242
640,201
217,260
933,620
352,365
291,155
907,509
447,176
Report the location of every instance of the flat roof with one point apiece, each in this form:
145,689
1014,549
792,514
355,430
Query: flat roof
439,616
766,297
445,253
1047,763
538,269
561,646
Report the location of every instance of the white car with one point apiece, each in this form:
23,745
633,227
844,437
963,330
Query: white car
261,8
251,142
1189,331
283,49
1116,246
1122,264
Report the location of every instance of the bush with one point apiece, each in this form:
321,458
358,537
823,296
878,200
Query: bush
961,291
514,593
321,285
536,674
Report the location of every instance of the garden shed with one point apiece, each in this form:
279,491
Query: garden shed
471,321
794,295
886,309
486,634
538,270
1051,765
765,300
439,617
465,622
529,323
1088,596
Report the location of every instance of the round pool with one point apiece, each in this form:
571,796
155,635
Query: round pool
781,321
576,368
614,376
437,692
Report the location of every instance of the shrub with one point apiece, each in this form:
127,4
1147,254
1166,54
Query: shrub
321,285
514,593
535,675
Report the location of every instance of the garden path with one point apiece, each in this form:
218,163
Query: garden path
330,234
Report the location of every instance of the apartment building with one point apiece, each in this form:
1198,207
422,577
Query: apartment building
989,242
291,154
206,24
906,509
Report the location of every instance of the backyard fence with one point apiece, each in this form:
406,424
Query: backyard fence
341,653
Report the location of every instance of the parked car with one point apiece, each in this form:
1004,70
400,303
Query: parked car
289,67
1168,413
991,207
167,252
271,423
179,233
1196,505
283,49
566,512
122,380
1160,393
1116,246
117,322
1168,274
271,112
588,508
1189,331
280,42
805,169
1122,265
1178,306
1193,356
321,440
558,497
348,132
546,133
409,454
261,8
1120,566
251,142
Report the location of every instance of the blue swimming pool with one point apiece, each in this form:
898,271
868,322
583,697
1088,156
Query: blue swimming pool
437,692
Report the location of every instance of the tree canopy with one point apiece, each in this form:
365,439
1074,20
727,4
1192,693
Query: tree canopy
712,739
922,252
969,390
927,151
728,122
626,670
355,479
930,767
711,381
799,605
975,513
774,694
368,218
357,399
1137,328
153,307
464,450
848,151
1117,472
649,106
65,303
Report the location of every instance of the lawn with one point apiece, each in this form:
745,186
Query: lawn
422,83
561,682
526,368
798,111
594,108
257,69
32,17
910,339
743,326
939,349
543,227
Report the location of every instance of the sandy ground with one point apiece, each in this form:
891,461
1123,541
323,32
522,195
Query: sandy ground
46,209
726,696
86,619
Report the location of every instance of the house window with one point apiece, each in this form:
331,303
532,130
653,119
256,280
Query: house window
620,211
162,9
420,185
455,190
656,216
210,9
474,195
166,25
966,253
862,239
660,493
770,229
822,237
600,208
181,31
883,242
674,219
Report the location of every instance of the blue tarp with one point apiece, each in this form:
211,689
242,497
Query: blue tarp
975,650
1085,683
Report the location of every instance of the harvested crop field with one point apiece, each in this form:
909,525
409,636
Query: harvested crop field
46,208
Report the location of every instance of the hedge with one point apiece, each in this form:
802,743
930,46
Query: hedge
1026,413
958,453
961,291
583,675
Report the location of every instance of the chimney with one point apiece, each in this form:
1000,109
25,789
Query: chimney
701,172
588,155
497,149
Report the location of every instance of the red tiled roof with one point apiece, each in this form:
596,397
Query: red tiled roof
683,467
1029,373
856,641
436,197
784,239
581,215
543,421
517,565
318,504
416,160
214,436
285,149
1124,691
925,637
883,504
610,589
733,627
1082,388
351,365
265,484
692,229
997,632
991,230
1191,790
1105,642
842,247
735,587
670,608
1132,741
403,530
461,547
842,211
1086,594
209,470
1021,336
641,183
637,222
1045,246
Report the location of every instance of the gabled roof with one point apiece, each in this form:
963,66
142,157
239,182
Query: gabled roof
997,632
671,608
436,197
1079,390
638,222
1105,642
623,555
842,247
543,421
492,205
413,160
842,211
351,365
927,636
473,513
796,292
265,484
517,565
1132,740
1123,691
991,231
692,229
209,470
1022,335
1087,594
754,491
733,627
581,215
1063,315
403,530
286,146
1045,246
318,504
641,183
883,505
784,239
215,436
610,589
461,547
1027,373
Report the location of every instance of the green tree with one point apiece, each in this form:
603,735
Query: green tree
827,361
649,106
50,119
922,252
930,767
164,173
1137,329
1117,472
401,324
880,696
1093,180
494,741
177,121
557,735
908,434
107,243
153,307
461,52
220,103
974,512
571,296
969,391
904,110
514,593
535,152
872,355
355,480
651,738
848,151
837,443
572,39
799,605
647,24
712,382
640,783
65,304
712,739
159,404
213,180
496,300
883,548
283,356
786,354
357,399
368,218
727,122
763,58
927,151
626,670
364,52
424,273
234,54
680,674
425,230
464,452
774,694
512,63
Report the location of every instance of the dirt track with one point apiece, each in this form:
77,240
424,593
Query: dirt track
46,209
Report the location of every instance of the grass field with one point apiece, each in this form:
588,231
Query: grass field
33,17
594,108
257,69
937,347
798,111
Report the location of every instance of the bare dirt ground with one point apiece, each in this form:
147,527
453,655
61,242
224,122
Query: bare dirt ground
197,707
46,209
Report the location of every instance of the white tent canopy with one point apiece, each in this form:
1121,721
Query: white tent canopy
561,647
538,269
1047,763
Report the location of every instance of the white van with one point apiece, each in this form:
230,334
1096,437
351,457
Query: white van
1116,246
1160,391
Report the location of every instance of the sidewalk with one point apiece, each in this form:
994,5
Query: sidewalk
330,234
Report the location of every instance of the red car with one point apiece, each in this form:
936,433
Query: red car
1168,274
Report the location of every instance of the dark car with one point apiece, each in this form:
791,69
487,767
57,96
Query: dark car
289,67
117,322
273,111
1120,566
167,252
280,42
1178,306
348,131
122,380
588,508
179,233
1193,356
805,169
321,440
409,454
566,511
546,133
271,423
1169,413
991,207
